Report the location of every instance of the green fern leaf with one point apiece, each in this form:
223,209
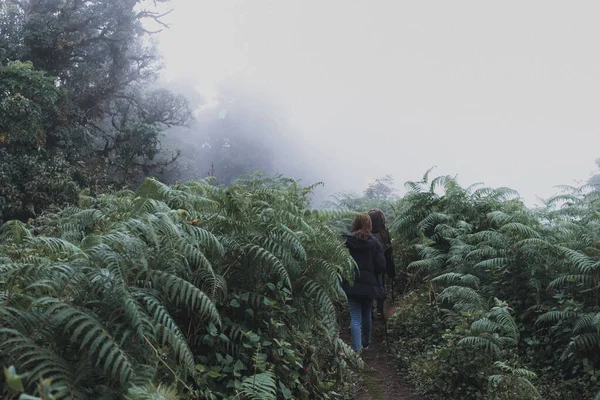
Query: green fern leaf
260,386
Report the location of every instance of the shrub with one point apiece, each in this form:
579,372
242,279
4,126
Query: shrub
214,292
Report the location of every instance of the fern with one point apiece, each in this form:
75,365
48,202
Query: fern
454,277
152,392
92,337
183,293
511,382
462,298
131,287
493,263
266,259
556,316
260,386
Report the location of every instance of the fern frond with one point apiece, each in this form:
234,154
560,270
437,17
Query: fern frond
480,343
265,258
500,218
454,277
427,266
583,281
493,263
204,238
488,236
505,320
14,231
167,328
153,392
321,300
521,229
432,220
183,293
585,342
92,336
56,247
585,322
556,316
260,386
583,263
486,252
441,181
515,381
40,362
485,325
504,193
462,298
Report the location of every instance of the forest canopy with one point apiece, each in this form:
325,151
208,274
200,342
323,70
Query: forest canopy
78,104
82,106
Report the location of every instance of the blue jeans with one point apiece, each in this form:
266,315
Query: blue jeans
360,322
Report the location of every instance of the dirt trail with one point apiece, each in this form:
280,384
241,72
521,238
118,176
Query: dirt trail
380,379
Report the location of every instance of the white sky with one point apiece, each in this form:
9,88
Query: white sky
506,93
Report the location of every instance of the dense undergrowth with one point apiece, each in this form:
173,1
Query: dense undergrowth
501,301
193,291
201,291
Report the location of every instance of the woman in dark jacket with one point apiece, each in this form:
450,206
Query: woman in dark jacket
368,254
383,235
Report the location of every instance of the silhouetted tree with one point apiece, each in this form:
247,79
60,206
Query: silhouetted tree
380,188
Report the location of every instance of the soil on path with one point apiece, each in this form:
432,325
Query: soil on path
380,379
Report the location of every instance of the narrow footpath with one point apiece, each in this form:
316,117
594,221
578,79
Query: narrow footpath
380,379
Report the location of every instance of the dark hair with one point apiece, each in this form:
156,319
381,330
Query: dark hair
377,219
378,222
362,226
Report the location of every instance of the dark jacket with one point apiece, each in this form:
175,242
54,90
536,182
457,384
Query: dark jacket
390,267
382,234
368,254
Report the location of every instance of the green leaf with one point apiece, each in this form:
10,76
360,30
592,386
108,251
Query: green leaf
13,380
285,391
213,374
201,368
239,366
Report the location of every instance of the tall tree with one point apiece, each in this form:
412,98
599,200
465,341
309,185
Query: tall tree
94,104
31,176
380,188
94,48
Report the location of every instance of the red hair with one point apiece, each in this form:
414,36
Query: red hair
362,226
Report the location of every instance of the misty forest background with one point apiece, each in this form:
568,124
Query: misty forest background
142,257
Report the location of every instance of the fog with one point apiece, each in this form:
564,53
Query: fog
504,93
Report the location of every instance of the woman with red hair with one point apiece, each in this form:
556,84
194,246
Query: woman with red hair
368,254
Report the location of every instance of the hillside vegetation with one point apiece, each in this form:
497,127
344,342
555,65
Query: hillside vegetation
501,301
114,284
195,290
205,291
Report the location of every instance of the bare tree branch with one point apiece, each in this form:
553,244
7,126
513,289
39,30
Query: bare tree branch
155,16
166,163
